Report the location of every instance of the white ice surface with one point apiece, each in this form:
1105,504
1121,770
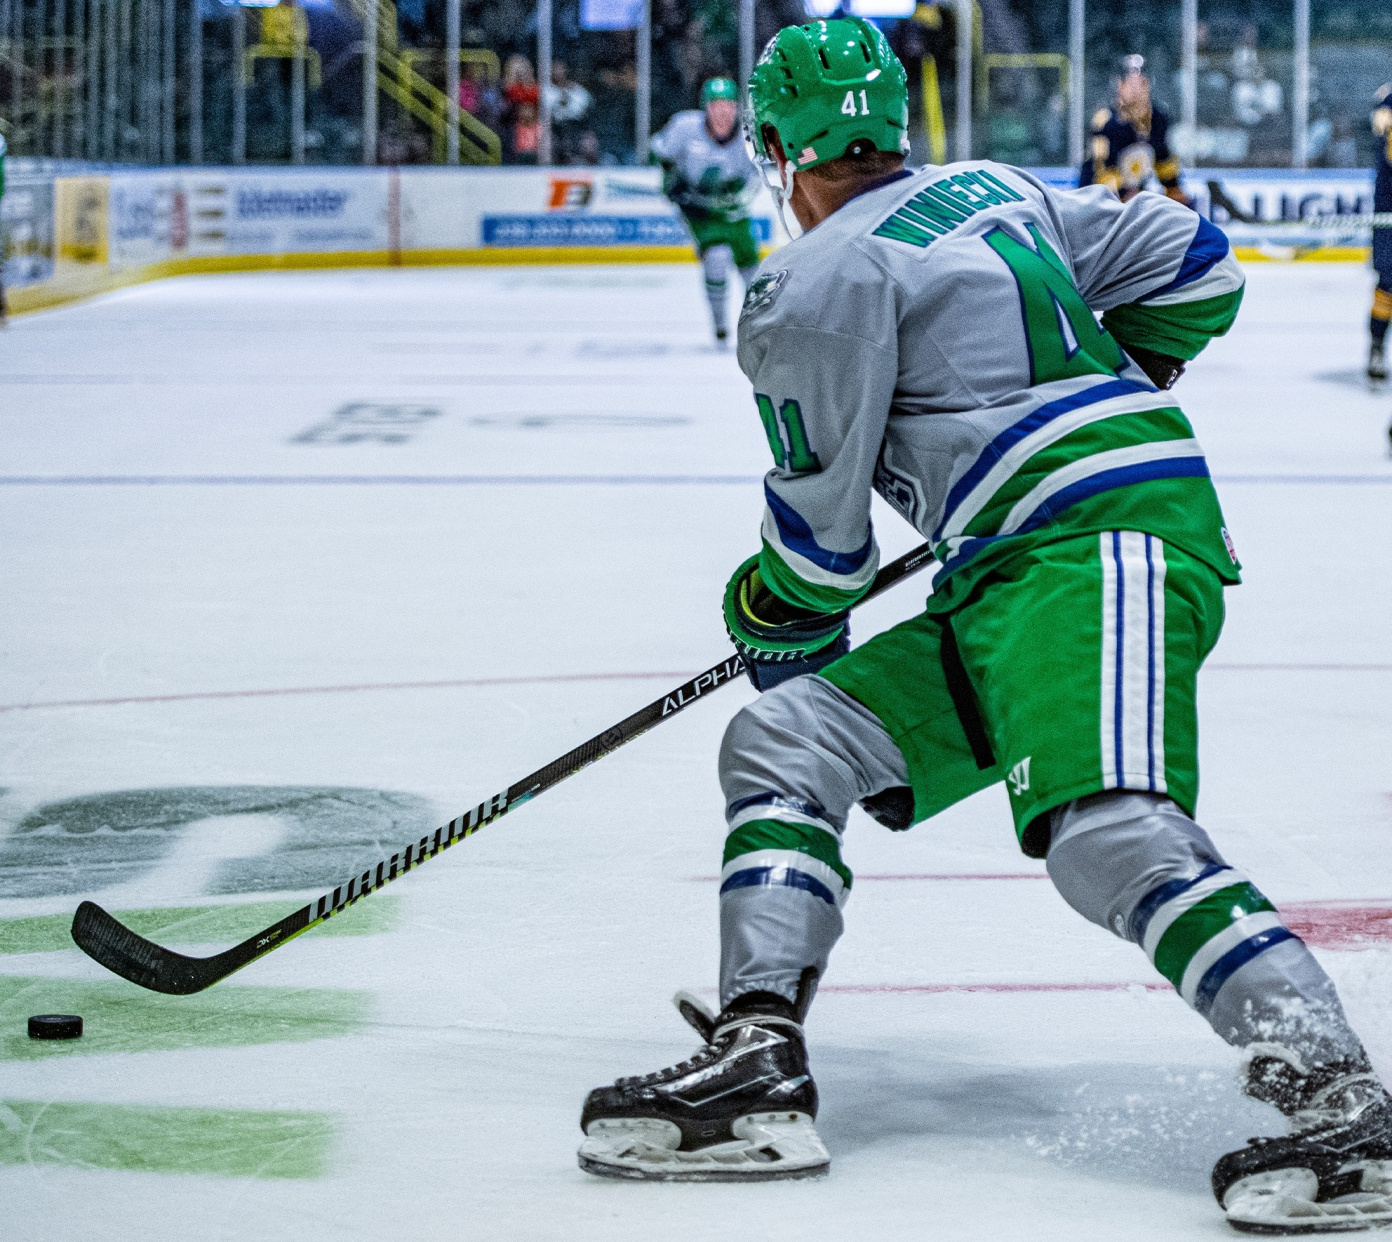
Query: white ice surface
535,961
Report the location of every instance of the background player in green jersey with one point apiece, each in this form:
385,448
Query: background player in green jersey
991,356
708,175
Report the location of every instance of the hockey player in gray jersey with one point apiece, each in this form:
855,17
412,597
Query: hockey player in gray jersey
935,337
708,175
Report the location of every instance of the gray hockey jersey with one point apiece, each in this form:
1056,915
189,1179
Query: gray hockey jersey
937,340
704,177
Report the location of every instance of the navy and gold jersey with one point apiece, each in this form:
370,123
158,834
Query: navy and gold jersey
1382,188
1126,152
1382,129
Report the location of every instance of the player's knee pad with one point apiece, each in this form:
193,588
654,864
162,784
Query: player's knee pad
1110,851
807,741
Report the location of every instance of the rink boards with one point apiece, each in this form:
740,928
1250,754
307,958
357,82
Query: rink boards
75,235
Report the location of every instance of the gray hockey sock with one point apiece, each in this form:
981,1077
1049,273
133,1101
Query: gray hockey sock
717,291
717,262
1138,865
791,765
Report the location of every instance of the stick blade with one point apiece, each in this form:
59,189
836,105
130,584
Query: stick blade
111,944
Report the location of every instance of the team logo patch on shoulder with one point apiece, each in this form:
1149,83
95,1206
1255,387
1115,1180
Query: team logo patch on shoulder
762,291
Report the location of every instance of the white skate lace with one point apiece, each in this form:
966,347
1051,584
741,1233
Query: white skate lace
713,1051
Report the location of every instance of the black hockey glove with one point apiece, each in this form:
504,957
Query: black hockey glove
892,807
779,640
1162,370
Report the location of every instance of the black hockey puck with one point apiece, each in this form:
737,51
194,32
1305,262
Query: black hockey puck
55,1026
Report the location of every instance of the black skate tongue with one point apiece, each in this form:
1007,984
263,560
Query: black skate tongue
697,1015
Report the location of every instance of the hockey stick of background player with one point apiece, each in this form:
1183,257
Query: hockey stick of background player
120,950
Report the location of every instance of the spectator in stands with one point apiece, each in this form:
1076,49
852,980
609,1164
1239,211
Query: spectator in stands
676,64
471,88
613,114
587,150
570,103
489,94
1343,145
521,111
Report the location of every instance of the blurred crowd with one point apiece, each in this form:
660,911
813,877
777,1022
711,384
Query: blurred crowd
1020,89
593,72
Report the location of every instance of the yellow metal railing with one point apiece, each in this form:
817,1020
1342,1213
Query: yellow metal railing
284,36
1027,60
398,80
933,113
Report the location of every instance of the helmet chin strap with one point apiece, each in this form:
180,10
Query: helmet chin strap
785,199
781,187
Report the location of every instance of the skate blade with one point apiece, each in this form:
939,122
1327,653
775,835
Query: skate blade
767,1147
1282,1202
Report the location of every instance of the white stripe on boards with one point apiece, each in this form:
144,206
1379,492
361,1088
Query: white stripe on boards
1164,918
1095,463
788,860
783,814
1225,941
1223,277
810,571
1109,660
1017,454
1155,550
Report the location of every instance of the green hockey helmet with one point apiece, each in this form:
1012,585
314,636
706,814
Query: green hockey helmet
825,86
719,88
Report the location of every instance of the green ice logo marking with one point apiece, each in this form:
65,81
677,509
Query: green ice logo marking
52,933
942,205
122,1019
1062,334
82,844
87,843
221,1142
787,424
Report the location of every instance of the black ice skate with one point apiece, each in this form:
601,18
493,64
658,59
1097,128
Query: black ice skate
740,1110
1333,1173
1377,364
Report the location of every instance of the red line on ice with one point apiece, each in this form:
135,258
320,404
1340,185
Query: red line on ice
1340,924
564,677
385,685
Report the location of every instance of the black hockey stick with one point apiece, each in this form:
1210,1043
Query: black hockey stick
1218,197
120,950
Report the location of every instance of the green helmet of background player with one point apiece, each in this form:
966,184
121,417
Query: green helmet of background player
825,86
719,88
